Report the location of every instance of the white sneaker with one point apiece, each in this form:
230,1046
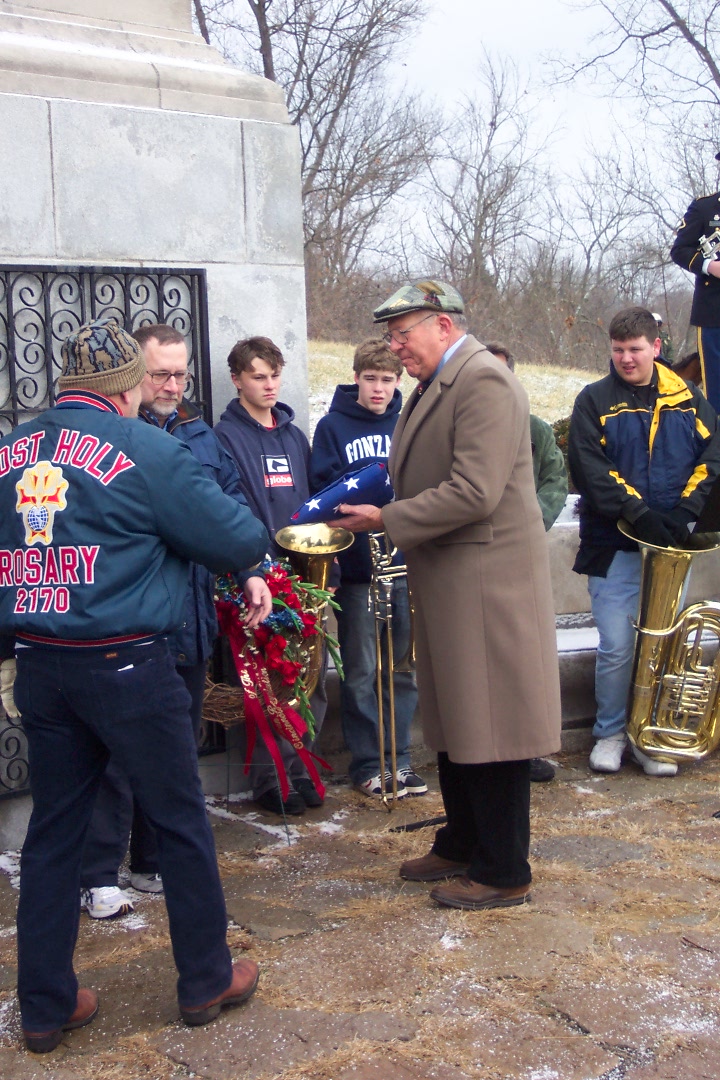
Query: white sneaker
151,883
107,902
372,787
606,754
653,767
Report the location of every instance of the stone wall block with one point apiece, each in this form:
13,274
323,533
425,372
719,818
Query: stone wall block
26,229
151,186
163,14
268,300
274,215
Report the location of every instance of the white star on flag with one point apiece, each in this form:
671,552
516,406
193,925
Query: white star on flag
351,483
387,482
314,504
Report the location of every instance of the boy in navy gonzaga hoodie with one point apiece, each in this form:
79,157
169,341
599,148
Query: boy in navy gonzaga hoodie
272,456
356,432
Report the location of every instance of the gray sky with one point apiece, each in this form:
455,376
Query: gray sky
444,58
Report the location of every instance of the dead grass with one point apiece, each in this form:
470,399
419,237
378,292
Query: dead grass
624,924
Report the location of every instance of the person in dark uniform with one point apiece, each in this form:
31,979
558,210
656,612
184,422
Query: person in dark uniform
702,220
95,540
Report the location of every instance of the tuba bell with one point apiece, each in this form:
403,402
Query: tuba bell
674,708
311,551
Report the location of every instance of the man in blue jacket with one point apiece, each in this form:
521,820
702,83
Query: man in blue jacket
357,431
643,446
94,551
163,406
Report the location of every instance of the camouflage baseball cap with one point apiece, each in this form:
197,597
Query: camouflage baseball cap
421,296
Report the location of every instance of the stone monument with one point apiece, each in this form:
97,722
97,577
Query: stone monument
129,144
127,141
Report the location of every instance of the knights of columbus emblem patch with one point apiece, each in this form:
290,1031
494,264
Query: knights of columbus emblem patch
41,494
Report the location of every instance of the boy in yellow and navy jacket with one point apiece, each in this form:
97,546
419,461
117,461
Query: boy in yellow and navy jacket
643,446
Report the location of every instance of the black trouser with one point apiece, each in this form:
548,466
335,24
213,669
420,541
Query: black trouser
488,812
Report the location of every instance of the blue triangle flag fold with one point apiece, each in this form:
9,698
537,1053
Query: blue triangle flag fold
370,484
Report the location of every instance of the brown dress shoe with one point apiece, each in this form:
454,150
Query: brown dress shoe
244,980
465,893
431,867
86,1009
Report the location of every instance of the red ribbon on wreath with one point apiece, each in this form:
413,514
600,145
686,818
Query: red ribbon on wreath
264,713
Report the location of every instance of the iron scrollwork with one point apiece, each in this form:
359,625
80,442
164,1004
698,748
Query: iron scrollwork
13,758
39,307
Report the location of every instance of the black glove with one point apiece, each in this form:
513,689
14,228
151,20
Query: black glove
677,521
652,528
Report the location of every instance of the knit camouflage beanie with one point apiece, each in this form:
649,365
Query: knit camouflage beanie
101,357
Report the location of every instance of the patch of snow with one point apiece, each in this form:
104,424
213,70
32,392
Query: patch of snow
8,1013
219,811
450,940
327,828
10,865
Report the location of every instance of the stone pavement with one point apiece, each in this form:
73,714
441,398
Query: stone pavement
612,972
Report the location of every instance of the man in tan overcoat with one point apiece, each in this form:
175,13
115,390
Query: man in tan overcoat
467,518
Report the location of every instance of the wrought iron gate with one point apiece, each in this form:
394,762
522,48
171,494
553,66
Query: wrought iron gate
39,307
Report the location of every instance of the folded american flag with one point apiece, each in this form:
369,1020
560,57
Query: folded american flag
370,484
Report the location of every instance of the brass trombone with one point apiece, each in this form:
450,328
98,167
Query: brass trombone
384,574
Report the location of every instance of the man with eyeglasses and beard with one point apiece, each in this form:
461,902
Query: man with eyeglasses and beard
467,518
117,816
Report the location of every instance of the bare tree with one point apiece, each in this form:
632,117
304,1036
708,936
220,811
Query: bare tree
666,52
483,187
362,139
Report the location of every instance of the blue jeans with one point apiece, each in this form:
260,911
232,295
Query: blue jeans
117,816
77,711
358,690
614,602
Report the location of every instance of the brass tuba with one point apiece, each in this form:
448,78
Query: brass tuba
674,709
311,551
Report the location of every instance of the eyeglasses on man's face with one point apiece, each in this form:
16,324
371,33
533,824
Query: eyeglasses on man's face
400,336
160,378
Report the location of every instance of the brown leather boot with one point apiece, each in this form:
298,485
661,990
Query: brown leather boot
86,1009
244,980
431,867
465,893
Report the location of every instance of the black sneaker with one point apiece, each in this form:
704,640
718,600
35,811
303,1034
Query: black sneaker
272,802
308,792
541,770
414,784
